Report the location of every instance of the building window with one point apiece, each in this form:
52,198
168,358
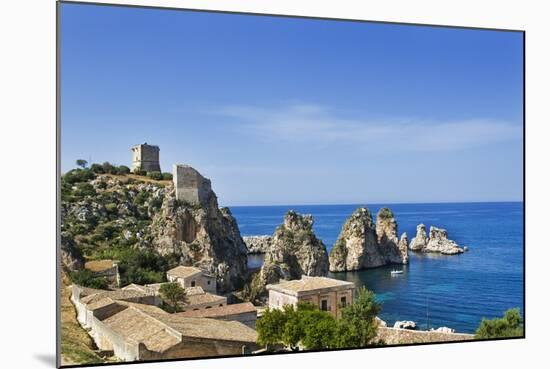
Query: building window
324,305
192,283
207,282
343,301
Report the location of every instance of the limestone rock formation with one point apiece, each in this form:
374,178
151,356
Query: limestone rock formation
437,242
443,330
201,235
257,244
294,251
395,251
405,324
71,257
361,244
419,242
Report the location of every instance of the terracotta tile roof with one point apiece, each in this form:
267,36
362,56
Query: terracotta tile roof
184,271
308,284
100,303
148,309
115,295
137,326
204,298
210,328
99,265
220,311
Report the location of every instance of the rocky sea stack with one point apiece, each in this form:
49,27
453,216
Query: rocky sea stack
362,244
437,242
200,233
294,251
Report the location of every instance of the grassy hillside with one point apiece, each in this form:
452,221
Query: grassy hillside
77,346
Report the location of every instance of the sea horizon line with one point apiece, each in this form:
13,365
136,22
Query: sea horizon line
380,203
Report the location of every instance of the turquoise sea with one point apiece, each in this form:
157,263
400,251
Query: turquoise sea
456,291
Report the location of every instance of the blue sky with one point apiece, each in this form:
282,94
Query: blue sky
293,111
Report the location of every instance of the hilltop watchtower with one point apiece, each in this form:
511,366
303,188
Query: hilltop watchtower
145,157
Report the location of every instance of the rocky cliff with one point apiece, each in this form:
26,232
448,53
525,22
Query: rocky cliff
139,222
257,244
362,244
294,251
437,242
201,235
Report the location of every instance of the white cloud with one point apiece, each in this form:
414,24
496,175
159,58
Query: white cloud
317,125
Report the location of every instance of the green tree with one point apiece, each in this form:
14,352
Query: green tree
82,163
510,325
173,294
109,168
357,325
270,327
123,170
320,330
167,176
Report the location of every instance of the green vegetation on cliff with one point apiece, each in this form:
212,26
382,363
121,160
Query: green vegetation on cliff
108,216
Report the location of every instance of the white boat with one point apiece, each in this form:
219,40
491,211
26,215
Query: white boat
396,272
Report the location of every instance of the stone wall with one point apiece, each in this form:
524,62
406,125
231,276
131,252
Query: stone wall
395,336
196,347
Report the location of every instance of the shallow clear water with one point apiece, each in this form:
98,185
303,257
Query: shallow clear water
454,291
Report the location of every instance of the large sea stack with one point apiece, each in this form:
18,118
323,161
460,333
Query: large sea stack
294,251
191,226
362,244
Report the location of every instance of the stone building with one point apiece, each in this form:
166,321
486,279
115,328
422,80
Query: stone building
145,157
127,323
188,276
245,313
326,293
191,187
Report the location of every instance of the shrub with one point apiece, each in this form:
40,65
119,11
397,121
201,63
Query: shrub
111,208
123,170
155,175
109,168
141,198
510,325
84,189
78,175
97,168
140,172
86,278
167,176
385,213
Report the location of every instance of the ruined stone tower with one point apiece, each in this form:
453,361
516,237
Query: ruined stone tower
145,157
191,186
